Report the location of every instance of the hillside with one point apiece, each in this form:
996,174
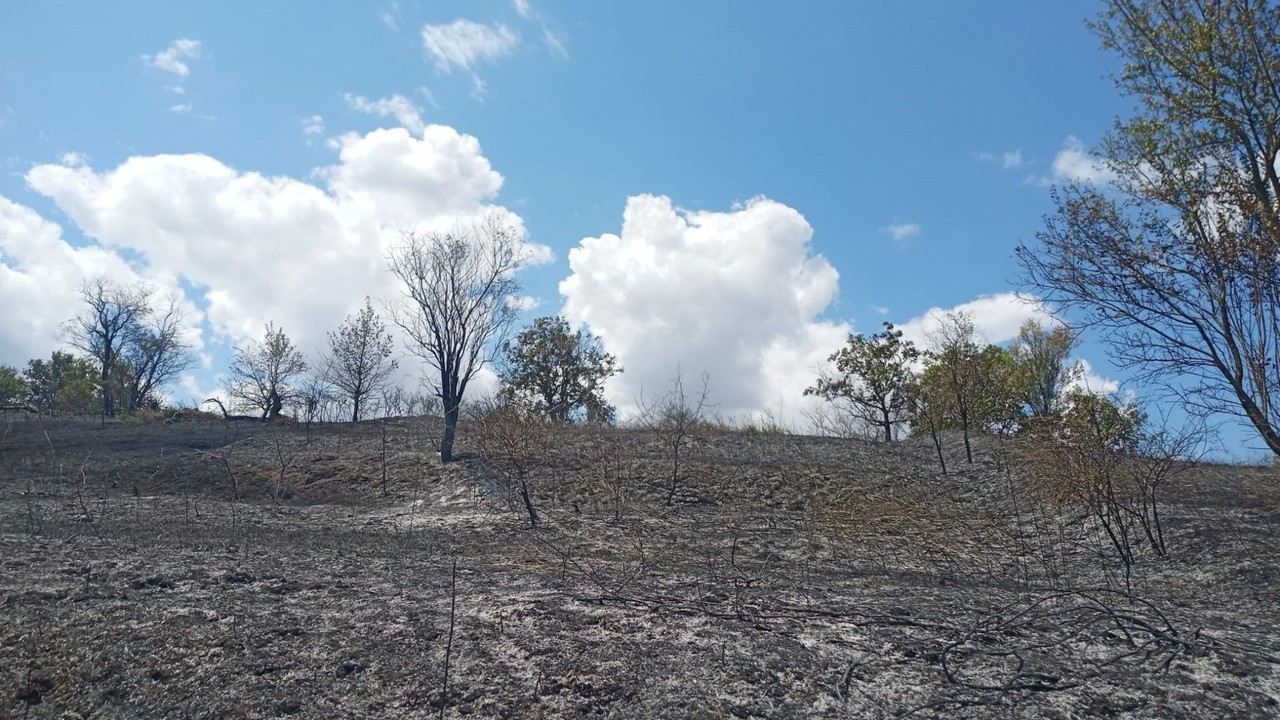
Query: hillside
790,577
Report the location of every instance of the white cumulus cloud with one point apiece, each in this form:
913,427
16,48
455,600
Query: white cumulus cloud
735,294
462,44
996,318
396,106
40,273
173,59
299,253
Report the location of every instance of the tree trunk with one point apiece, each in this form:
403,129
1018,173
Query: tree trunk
108,402
887,424
528,503
355,409
964,426
450,430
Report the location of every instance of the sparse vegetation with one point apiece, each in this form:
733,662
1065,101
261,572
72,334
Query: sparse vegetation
263,373
460,293
359,363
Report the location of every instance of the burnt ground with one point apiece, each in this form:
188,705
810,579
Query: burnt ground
791,577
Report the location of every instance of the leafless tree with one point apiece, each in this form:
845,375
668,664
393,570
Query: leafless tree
155,356
459,289
1177,262
675,419
262,373
513,438
360,361
110,321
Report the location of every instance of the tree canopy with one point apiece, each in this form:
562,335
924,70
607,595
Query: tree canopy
1177,260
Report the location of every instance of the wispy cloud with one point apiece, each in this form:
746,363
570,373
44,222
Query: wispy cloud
1007,160
555,43
313,125
390,16
173,58
396,106
180,108
902,232
462,44
522,8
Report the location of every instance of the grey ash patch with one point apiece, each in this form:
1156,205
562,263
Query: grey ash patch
793,577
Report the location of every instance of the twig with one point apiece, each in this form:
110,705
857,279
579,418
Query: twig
448,648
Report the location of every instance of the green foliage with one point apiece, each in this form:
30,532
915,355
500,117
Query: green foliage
999,395
872,374
1040,357
1101,421
1177,262
13,389
559,371
64,382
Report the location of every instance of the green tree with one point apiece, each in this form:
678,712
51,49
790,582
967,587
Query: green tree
927,408
1000,393
360,361
64,382
953,373
13,389
263,373
1094,420
1177,263
1040,355
871,378
560,371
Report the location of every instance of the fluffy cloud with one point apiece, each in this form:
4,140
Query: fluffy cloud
256,248
1074,164
40,273
173,58
397,106
735,294
995,317
462,44
902,232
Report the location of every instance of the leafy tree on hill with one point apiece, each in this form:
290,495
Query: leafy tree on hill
871,379
561,372
64,382
1040,355
1177,260
13,389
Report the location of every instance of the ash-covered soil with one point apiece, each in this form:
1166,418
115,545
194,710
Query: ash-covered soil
790,577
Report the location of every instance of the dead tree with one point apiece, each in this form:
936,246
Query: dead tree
460,291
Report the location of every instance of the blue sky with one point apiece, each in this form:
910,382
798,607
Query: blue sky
904,147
